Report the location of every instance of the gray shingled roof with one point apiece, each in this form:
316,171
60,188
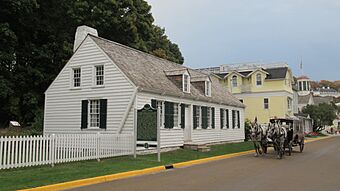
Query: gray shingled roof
276,73
147,73
273,73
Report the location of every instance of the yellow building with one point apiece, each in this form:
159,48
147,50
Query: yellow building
266,90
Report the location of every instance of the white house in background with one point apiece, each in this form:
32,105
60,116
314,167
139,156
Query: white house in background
104,83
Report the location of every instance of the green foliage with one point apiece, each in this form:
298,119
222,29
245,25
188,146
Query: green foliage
322,115
36,40
38,123
247,127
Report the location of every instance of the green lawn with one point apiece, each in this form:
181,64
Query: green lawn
38,176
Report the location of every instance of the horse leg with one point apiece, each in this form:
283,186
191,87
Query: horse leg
256,151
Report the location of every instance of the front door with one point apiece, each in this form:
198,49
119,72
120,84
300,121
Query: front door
187,127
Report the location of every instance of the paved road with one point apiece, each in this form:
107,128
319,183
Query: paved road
316,169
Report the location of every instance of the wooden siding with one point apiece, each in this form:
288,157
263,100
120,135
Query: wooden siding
63,103
175,137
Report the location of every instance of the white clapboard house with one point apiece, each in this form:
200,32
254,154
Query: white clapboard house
105,84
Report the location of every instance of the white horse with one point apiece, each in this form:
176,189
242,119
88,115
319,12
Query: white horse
258,136
278,135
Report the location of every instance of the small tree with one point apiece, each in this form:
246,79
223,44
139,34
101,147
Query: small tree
247,127
322,115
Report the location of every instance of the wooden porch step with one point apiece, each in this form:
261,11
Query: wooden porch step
197,147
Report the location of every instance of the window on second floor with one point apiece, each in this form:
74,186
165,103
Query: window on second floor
258,79
76,77
186,83
207,88
234,81
99,75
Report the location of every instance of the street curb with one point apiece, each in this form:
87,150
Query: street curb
107,178
96,180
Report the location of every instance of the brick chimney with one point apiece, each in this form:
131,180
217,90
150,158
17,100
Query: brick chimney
81,33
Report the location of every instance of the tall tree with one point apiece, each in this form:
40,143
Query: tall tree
36,40
322,115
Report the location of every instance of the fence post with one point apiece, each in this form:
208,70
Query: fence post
52,150
98,146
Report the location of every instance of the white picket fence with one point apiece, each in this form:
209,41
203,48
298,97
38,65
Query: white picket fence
23,151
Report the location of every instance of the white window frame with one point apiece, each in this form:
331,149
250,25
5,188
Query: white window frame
95,81
258,75
176,116
199,117
209,118
186,84
94,113
234,81
290,103
74,78
207,88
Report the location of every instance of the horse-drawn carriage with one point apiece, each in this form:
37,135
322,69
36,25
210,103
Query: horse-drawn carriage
295,132
281,133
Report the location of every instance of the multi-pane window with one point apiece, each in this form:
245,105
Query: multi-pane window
209,117
94,113
76,77
207,88
258,79
234,118
227,118
266,103
289,102
176,115
204,118
186,83
234,81
100,75
196,116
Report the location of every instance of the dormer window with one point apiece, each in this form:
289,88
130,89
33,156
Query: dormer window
207,88
234,81
258,79
186,83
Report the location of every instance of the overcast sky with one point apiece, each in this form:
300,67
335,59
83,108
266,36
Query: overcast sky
210,33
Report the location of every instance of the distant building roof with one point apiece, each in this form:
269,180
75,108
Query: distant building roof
319,99
302,78
276,73
273,73
304,99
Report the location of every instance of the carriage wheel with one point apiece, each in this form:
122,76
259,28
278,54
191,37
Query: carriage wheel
302,145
